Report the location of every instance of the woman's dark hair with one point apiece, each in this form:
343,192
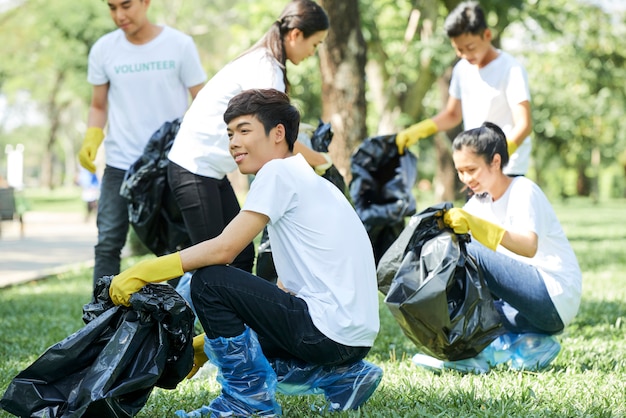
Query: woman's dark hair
305,15
486,141
270,106
467,18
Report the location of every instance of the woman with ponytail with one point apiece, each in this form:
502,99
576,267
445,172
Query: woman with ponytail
200,158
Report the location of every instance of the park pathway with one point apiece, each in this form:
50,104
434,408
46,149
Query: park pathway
51,244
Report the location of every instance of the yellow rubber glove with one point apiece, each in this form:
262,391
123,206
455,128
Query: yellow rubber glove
89,149
147,271
511,146
321,168
414,133
199,356
485,232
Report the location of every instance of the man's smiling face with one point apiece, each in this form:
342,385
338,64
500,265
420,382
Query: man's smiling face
250,146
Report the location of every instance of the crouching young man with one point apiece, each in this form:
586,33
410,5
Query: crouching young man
310,333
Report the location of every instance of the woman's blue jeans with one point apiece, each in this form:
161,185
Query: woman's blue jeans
521,295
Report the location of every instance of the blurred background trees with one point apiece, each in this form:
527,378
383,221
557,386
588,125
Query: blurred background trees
385,65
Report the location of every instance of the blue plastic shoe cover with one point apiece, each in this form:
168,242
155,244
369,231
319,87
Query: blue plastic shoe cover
345,387
248,381
200,412
534,351
297,377
477,365
354,385
527,351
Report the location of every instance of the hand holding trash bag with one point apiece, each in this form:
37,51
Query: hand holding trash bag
109,368
148,271
485,232
414,133
199,356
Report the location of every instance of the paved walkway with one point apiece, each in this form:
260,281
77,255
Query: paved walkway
51,243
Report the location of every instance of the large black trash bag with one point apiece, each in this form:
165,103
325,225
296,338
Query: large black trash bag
381,189
109,367
152,209
435,290
320,140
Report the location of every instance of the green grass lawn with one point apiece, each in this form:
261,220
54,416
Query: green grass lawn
62,199
587,379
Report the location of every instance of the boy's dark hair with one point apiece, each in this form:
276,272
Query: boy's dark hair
467,18
270,106
486,141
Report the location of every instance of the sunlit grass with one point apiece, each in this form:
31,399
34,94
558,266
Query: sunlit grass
587,379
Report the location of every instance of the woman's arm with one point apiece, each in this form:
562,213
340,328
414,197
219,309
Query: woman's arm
521,243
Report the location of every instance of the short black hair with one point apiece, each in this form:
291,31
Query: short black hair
270,106
486,141
467,18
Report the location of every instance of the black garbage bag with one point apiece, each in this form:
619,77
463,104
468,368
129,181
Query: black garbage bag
152,210
435,290
320,140
109,367
381,189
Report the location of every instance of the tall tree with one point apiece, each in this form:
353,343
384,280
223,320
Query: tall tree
342,63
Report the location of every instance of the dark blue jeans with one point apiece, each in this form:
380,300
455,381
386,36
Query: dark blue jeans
207,206
524,303
226,298
112,222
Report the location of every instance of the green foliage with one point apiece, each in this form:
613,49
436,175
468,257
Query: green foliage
575,62
59,200
573,51
587,379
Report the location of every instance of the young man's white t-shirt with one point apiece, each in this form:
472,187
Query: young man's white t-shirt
321,250
201,145
489,94
148,86
525,207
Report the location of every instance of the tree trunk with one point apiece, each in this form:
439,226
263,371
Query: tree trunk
342,64
54,116
445,181
583,183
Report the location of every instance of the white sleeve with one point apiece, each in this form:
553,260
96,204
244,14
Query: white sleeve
95,70
517,90
191,73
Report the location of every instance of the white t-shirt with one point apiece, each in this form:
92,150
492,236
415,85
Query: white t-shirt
489,94
148,86
201,145
321,250
525,207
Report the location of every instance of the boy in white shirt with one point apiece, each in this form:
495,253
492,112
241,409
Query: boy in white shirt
143,75
322,318
487,85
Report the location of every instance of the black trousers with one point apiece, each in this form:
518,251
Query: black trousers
207,206
227,299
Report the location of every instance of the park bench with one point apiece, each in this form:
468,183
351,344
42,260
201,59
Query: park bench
9,211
